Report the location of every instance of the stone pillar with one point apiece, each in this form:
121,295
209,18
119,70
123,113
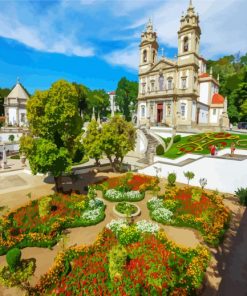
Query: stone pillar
17,116
164,113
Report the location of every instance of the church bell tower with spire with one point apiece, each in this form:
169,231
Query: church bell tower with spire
148,48
189,37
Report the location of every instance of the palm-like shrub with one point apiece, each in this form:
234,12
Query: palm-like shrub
13,258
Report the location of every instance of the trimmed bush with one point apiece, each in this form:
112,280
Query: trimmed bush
242,195
171,178
160,150
176,138
13,258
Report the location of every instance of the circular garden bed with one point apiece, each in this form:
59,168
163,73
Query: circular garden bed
125,209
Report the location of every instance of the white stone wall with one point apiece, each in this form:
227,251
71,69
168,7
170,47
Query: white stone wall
203,114
204,89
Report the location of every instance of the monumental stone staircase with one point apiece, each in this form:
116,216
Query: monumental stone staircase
152,143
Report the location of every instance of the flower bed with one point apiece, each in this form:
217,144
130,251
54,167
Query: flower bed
27,226
129,182
201,143
192,208
126,208
155,266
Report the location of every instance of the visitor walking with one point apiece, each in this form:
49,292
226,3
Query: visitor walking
212,150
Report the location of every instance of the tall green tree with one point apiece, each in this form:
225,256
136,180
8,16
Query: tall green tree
56,127
126,96
99,100
117,138
82,93
232,70
92,141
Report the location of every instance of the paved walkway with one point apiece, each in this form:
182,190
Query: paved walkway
227,275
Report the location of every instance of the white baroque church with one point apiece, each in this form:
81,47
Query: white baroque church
179,93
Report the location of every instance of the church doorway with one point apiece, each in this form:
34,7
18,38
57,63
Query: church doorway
159,112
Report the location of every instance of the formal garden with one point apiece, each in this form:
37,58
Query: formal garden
129,257
201,143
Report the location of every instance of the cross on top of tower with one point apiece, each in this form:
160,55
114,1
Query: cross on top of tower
150,25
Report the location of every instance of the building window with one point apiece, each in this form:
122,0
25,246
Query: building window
142,111
184,82
23,117
161,82
144,56
152,86
186,44
214,111
183,109
169,83
143,88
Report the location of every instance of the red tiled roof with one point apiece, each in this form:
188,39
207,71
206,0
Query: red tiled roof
217,99
111,92
203,75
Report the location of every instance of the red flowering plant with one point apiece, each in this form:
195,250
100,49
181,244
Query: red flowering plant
64,211
153,267
192,207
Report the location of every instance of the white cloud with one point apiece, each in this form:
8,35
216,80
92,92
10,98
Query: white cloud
128,57
223,27
43,33
83,27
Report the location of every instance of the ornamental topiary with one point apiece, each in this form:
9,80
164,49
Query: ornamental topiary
171,178
242,195
176,138
13,258
160,150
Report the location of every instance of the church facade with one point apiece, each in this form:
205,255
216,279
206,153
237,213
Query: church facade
178,93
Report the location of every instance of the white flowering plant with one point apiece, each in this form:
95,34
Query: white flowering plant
116,195
155,203
147,226
161,215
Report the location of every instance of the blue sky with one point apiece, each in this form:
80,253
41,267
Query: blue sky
95,42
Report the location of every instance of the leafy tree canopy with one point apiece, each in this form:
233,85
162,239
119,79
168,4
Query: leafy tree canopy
233,73
56,127
126,96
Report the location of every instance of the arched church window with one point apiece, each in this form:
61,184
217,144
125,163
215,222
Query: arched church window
161,82
186,44
145,56
153,56
196,43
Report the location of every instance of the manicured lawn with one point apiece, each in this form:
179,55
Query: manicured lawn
200,144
